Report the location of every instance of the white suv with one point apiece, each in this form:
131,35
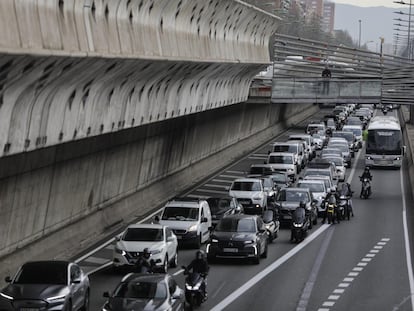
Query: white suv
250,193
284,162
160,240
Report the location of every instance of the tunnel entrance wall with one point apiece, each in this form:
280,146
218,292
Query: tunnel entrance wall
57,201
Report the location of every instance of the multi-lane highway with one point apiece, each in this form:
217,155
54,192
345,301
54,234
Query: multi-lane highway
359,264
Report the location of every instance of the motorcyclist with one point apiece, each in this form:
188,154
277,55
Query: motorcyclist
303,206
144,263
347,192
366,174
331,198
200,265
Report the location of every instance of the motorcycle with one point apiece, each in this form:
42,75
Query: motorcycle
195,286
344,206
332,213
366,188
300,225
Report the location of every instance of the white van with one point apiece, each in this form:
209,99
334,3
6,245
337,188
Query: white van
190,220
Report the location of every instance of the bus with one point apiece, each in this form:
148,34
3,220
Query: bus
384,145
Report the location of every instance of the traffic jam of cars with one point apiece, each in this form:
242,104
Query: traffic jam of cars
290,190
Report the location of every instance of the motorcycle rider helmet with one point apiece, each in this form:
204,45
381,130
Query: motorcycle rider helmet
200,254
367,169
146,253
333,191
302,204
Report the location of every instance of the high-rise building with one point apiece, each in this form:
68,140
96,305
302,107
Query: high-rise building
328,17
313,7
271,6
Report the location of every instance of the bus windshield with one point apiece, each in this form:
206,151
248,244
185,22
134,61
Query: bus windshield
384,142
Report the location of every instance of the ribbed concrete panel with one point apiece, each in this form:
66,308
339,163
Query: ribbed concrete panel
73,69
185,30
51,100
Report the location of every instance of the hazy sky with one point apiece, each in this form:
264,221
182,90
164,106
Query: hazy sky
368,3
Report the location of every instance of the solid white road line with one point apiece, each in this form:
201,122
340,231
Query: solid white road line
264,273
407,241
96,260
351,175
178,272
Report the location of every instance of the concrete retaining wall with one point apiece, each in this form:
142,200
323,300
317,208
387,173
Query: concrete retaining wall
64,197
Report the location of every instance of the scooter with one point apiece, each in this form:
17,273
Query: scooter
195,293
366,188
300,225
344,206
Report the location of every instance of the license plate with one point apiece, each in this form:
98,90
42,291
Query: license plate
29,309
230,250
287,217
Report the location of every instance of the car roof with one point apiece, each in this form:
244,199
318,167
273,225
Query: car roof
147,277
247,180
296,189
241,216
311,181
48,263
145,226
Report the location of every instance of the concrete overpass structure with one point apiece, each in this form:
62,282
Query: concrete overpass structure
110,107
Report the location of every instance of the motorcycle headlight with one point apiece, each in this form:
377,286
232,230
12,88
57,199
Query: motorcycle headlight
6,296
193,228
120,251
297,225
56,298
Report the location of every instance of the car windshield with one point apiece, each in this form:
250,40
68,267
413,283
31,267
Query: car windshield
219,205
279,178
285,148
246,186
348,136
143,234
341,147
280,159
236,225
180,213
355,131
292,196
43,273
314,187
337,161
141,290
332,151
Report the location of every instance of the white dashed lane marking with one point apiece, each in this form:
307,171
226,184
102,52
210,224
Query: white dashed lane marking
347,281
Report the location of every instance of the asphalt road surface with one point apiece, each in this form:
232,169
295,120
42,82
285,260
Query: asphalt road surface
359,264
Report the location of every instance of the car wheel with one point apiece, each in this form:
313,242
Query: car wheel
174,262
198,241
264,255
69,306
165,265
256,260
86,302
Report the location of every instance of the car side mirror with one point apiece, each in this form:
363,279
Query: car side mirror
404,150
176,296
157,219
105,295
204,219
76,280
8,279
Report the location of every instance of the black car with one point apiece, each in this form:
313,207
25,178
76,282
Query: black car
238,236
223,206
288,199
46,285
153,292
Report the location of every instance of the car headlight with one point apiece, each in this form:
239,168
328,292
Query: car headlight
249,242
369,158
193,228
214,241
6,296
258,197
155,251
56,298
397,159
120,251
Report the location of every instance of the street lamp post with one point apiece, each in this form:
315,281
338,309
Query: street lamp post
359,37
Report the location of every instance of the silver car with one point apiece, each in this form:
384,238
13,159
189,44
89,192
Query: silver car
46,286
